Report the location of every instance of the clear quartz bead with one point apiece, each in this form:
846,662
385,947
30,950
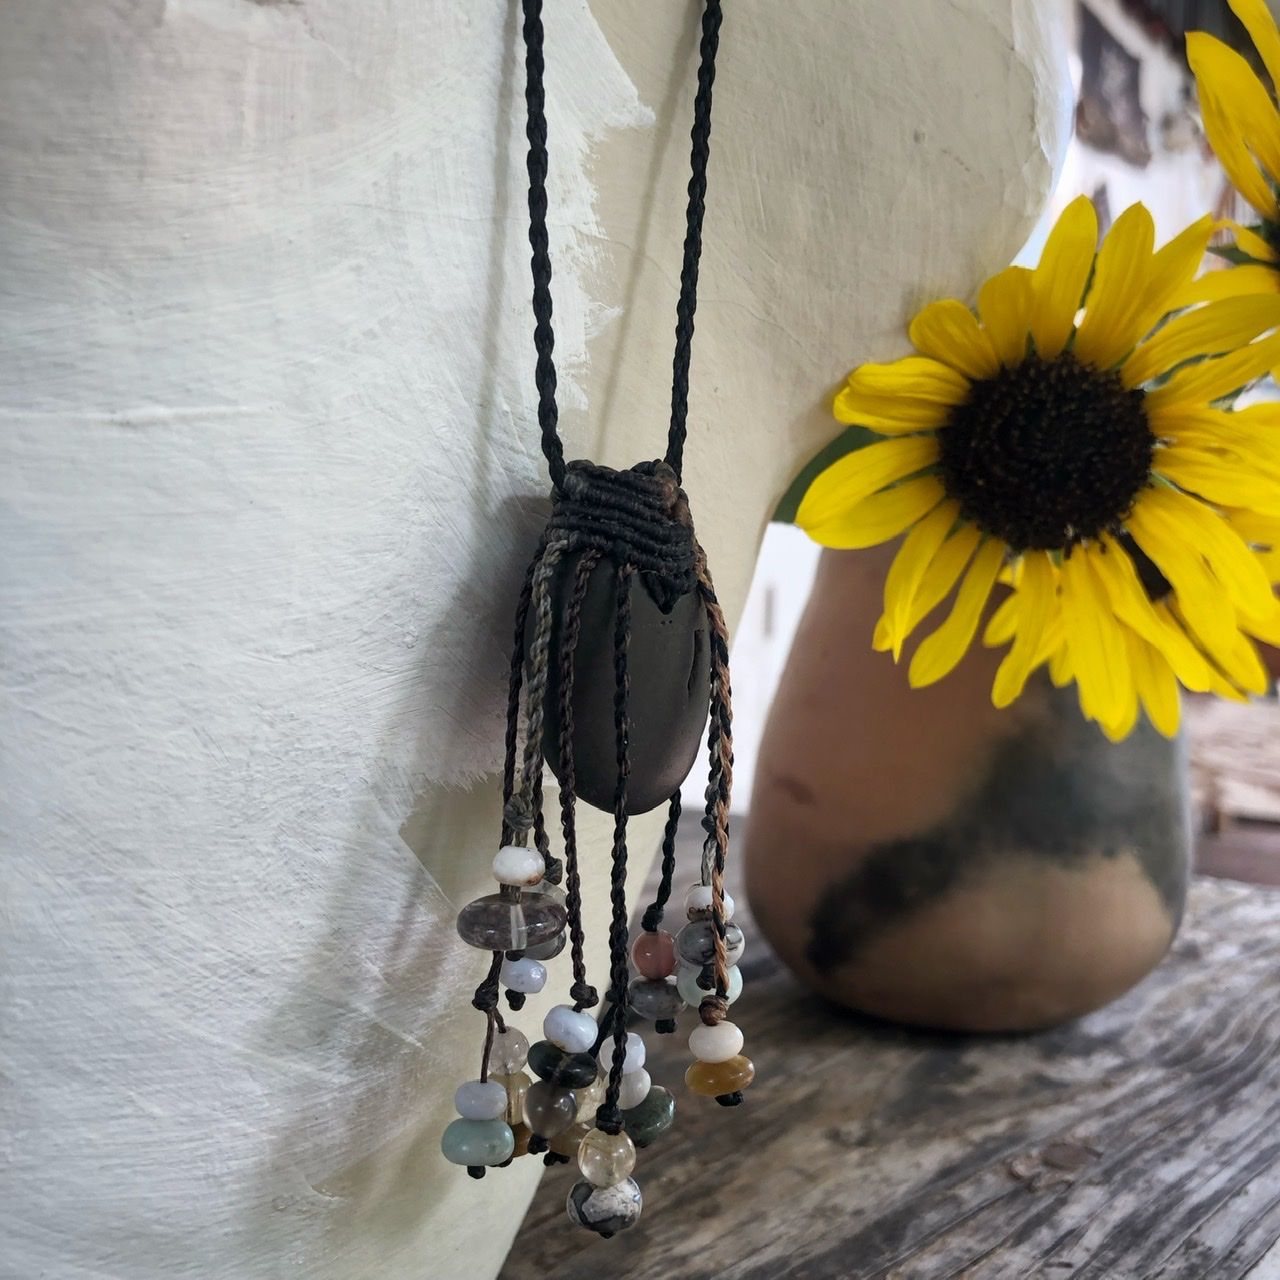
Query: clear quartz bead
633,1089
606,1158
499,922
510,1051
516,1085
549,1109
715,1044
589,1100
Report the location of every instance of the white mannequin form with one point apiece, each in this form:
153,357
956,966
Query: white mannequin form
271,477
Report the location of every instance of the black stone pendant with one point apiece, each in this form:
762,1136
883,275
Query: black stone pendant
669,665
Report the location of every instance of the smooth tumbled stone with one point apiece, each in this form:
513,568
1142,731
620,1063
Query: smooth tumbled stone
523,975
510,1051
480,1100
549,1108
654,998
606,1158
550,1062
515,1085
713,1079
652,1118
573,1030
696,942
493,923
514,864
548,950
478,1142
715,1044
693,993
605,1210
697,902
654,954
633,1089
568,1142
555,892
522,1133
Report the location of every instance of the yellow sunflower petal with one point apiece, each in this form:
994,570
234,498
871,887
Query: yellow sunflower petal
1227,282
1037,586
1060,278
1226,111
1250,241
1210,330
1156,684
1060,671
942,649
861,473
880,517
911,394
1098,658
949,332
1211,379
1261,26
1005,302
1002,626
909,567
936,584
1220,481
1174,266
1114,316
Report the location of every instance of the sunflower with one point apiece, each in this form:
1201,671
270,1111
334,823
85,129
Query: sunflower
1076,451
1243,128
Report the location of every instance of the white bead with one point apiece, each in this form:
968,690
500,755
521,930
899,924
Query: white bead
633,1089
634,1059
574,1032
523,975
514,864
697,902
715,1044
480,1100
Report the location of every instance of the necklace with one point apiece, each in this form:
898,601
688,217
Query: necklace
620,651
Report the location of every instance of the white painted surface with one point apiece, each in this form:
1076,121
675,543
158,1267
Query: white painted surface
269,480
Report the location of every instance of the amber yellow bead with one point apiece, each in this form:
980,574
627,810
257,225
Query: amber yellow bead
517,1085
713,1079
522,1133
568,1142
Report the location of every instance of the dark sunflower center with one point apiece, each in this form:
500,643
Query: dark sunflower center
1047,453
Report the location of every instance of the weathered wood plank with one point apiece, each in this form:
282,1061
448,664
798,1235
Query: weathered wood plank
1141,1141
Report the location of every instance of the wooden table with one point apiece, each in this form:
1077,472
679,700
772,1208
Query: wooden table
1141,1141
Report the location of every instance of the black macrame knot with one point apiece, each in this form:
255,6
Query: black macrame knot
584,995
638,517
517,813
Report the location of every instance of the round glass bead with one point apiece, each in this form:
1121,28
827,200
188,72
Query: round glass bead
633,1089
606,1158
696,943
605,1210
548,950
568,1142
521,1133
693,993
654,998
553,891
524,975
715,1044
496,923
515,864
510,1051
516,1085
480,1100
573,1030
478,1142
654,954
712,1079
549,1108
589,1100
697,902
652,1118
550,1062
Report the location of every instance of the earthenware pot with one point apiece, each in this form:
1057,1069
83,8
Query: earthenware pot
924,857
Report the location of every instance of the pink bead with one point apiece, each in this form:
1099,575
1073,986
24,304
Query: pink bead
654,954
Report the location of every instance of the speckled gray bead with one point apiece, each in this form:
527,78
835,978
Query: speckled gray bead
696,943
499,923
654,998
605,1210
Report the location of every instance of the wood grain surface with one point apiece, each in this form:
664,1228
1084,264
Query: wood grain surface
1140,1141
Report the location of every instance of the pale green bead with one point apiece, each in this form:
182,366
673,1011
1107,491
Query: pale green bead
478,1142
693,995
